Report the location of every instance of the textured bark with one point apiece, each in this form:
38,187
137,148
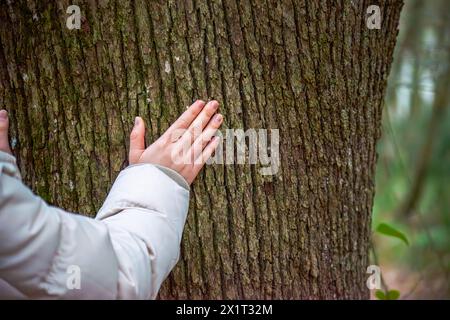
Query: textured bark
311,69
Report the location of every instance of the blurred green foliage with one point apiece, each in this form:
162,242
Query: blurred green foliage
412,182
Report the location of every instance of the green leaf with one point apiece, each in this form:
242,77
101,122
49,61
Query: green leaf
393,295
380,295
388,230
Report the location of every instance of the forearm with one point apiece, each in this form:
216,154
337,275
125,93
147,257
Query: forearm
145,211
126,254
38,244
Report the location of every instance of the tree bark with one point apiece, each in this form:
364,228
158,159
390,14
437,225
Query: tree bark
311,69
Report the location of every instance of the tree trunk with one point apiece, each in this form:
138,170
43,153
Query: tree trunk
311,69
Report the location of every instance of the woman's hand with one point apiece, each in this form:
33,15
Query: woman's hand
185,146
4,126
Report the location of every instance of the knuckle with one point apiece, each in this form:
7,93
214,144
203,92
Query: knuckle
133,135
184,123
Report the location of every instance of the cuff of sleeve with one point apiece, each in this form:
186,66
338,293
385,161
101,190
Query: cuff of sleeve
8,165
178,178
152,188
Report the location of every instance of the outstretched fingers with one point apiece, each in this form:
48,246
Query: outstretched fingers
184,121
208,133
197,126
205,155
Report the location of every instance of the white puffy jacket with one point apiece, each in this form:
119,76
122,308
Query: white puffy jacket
124,253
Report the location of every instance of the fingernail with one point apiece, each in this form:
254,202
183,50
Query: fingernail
3,114
137,120
213,104
219,118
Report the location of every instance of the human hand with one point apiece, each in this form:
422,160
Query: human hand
4,127
185,146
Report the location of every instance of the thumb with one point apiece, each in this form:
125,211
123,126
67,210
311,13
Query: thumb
137,141
4,126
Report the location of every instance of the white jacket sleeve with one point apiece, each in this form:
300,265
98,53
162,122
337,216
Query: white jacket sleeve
125,253
145,212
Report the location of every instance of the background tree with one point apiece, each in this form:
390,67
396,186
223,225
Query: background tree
311,69
412,175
